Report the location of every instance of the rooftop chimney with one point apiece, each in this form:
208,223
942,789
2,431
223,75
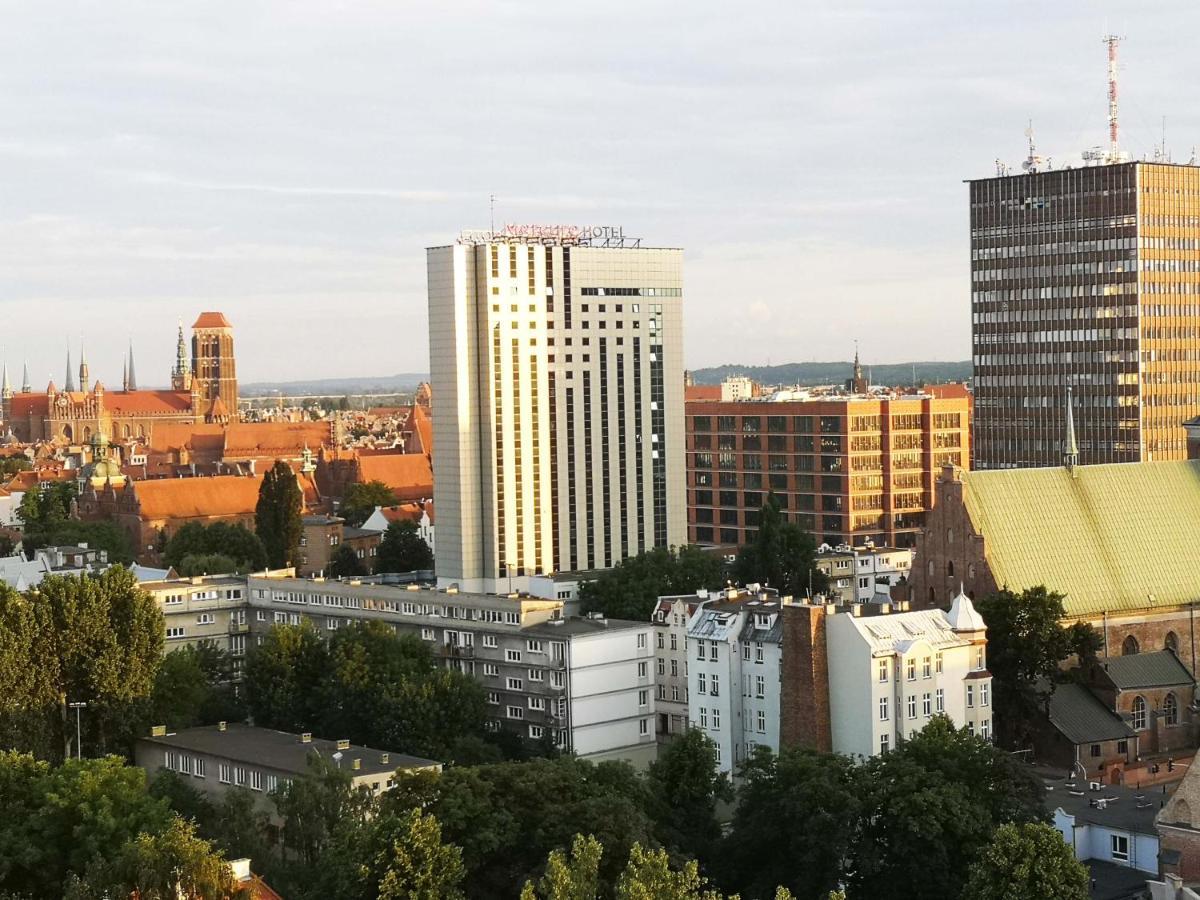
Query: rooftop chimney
306,737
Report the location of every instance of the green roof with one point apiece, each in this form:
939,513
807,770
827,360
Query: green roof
1113,537
1075,711
1147,670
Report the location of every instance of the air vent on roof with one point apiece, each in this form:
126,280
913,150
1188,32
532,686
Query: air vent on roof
343,744
384,758
306,737
357,764
221,726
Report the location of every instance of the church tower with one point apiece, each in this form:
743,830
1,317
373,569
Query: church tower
181,374
213,367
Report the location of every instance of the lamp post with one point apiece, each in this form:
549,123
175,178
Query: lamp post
78,706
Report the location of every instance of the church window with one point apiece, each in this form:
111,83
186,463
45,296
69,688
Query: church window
1139,713
1130,646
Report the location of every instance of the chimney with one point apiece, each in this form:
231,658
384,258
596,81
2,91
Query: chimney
343,744
306,737
384,758
804,688
357,764
220,726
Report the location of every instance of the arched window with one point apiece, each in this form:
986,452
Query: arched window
1139,713
932,570
1130,647
87,433
949,535
970,571
950,568
1171,709
127,430
1171,642
67,433
932,597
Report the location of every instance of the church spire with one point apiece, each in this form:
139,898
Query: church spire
26,387
125,374
6,390
130,374
70,385
1070,446
181,374
83,367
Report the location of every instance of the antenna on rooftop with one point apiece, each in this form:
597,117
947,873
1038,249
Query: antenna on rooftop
492,205
1114,129
1033,162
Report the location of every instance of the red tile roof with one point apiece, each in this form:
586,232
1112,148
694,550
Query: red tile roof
409,475
212,320
166,436
701,392
278,439
950,391
30,404
152,402
188,498
421,427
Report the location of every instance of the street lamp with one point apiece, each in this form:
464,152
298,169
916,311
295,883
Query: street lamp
78,705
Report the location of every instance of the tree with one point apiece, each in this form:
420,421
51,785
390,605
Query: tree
1027,862
345,563
285,676
277,517
649,876
173,862
931,806
419,865
93,638
813,802
194,686
216,548
629,589
11,465
781,555
686,785
403,549
1026,645
104,536
361,498
574,878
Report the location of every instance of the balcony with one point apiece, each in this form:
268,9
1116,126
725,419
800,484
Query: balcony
456,651
239,627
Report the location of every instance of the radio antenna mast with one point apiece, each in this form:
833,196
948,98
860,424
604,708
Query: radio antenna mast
492,206
1114,130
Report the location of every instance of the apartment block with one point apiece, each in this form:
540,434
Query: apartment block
670,619
1085,279
556,361
734,652
847,468
204,608
887,671
858,574
585,683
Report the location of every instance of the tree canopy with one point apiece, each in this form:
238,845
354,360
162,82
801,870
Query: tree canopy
361,498
345,563
277,517
1030,861
1026,645
630,589
781,555
197,549
403,549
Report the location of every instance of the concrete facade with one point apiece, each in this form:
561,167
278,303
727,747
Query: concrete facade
558,438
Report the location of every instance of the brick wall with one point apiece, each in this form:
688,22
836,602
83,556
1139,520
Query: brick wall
950,552
804,693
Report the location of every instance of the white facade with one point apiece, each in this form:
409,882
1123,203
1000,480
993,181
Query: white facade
737,387
878,568
1108,842
558,425
670,620
890,673
734,665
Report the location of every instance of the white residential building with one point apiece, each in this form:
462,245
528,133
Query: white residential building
734,664
556,361
890,672
878,568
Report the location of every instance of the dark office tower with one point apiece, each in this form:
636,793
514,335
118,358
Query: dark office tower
1085,278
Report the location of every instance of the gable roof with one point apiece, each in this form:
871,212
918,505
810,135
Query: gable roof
1146,670
409,475
1082,719
211,320
1099,534
421,427
161,402
278,439
189,498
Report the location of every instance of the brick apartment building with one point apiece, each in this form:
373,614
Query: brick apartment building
846,467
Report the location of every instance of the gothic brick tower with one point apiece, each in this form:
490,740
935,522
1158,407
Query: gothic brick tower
213,369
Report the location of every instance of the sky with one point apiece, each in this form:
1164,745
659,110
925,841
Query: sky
288,162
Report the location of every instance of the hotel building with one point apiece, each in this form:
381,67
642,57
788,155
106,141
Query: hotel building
556,361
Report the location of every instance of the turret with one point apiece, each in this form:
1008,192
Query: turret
26,387
83,368
70,383
1070,446
130,372
181,374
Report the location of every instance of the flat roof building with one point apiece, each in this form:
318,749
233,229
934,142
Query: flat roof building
556,360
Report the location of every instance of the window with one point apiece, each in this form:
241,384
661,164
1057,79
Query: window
205,619
537,703
940,698
643,670
223,773
512,655
489,640
758,651
427,634
674,668
661,642
1130,646
516,712
239,776
198,766
1139,713
716,717
700,649
926,705
1122,746
491,670
1171,709
643,727
674,642
912,706
535,732
760,686
712,651
537,675
703,717
883,709
641,640
662,666
746,651
762,721
643,698
937,663
176,632
926,667
716,685
536,646
1171,642
978,659
514,684
256,781
1120,847
970,696
493,698
884,743
272,782
1095,750
883,671
910,669
984,690
702,683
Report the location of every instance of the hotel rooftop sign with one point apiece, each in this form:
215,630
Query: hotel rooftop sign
581,235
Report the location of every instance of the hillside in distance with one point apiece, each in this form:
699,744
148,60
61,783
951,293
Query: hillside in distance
813,373
377,384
